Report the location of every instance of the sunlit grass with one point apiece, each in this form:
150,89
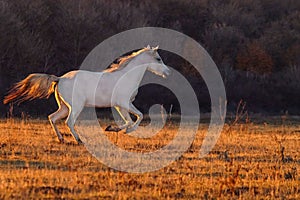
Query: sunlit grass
247,163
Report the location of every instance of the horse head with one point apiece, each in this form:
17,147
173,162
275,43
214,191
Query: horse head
155,63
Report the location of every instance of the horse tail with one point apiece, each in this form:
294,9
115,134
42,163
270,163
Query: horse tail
32,87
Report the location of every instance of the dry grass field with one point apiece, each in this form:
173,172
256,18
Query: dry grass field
250,161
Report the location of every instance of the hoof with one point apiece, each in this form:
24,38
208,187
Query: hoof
108,128
129,130
112,128
79,141
61,140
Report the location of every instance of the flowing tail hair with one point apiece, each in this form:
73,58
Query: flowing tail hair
32,87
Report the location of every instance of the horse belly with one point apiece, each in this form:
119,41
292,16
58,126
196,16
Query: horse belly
99,98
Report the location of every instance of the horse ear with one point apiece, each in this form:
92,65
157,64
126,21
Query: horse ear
155,48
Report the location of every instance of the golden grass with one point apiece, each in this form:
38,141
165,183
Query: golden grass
247,163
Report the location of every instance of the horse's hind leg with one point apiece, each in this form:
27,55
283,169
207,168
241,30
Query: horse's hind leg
74,112
61,113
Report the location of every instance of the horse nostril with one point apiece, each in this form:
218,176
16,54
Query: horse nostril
168,72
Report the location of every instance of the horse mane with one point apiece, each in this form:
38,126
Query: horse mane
123,61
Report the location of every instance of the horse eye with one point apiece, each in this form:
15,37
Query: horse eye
158,59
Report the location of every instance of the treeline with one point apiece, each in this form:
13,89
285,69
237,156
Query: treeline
255,43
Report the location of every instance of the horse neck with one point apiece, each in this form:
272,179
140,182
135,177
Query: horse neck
135,70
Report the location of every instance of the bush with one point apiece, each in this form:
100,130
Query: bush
254,59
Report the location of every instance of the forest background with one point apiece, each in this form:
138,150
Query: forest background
255,44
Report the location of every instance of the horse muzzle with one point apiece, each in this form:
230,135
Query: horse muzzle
166,73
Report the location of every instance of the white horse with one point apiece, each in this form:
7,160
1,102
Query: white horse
114,87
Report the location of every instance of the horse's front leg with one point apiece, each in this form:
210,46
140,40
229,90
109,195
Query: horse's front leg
139,116
126,118
126,115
